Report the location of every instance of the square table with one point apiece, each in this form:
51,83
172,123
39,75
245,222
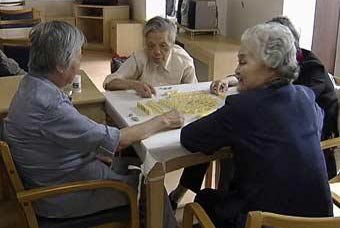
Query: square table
162,152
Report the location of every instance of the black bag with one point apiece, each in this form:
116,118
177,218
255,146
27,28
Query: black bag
179,13
116,62
170,8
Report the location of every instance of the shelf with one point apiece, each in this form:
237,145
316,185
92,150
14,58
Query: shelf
91,17
95,23
95,46
99,6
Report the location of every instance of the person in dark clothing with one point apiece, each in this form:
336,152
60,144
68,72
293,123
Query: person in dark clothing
274,129
9,67
313,75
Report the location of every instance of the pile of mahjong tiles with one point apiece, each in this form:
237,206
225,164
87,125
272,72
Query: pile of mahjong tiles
198,103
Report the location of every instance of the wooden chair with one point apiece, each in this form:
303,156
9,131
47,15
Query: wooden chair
127,216
194,210
11,214
258,219
335,182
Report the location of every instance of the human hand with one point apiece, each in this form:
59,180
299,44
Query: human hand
172,119
218,87
105,159
144,89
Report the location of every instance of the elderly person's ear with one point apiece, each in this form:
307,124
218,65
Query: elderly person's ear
60,69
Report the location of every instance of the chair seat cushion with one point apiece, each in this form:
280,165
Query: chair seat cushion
120,214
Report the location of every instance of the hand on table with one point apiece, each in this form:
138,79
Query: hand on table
173,119
218,87
144,89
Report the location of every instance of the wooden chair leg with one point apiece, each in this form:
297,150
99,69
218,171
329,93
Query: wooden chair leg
209,176
11,215
217,173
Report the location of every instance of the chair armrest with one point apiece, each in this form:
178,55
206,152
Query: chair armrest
27,196
335,179
42,192
192,210
334,184
329,143
336,79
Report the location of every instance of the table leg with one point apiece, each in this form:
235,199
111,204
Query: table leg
155,197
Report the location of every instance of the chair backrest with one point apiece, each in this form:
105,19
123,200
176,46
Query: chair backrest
192,210
10,167
258,219
334,183
16,182
330,143
25,197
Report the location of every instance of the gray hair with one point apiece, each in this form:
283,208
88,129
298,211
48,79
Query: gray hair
53,44
273,44
286,22
160,24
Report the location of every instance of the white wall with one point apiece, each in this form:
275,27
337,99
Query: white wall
143,10
303,20
155,8
242,14
222,16
337,58
138,9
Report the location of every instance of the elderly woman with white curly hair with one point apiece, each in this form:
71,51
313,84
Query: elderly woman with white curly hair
274,129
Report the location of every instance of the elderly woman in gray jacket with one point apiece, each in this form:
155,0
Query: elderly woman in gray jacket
52,143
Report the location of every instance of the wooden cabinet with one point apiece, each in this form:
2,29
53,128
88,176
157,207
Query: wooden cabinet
95,22
126,37
70,20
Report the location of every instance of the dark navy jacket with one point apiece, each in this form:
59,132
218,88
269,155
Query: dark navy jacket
275,135
313,75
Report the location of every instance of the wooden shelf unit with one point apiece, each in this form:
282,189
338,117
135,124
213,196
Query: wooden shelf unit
126,37
95,22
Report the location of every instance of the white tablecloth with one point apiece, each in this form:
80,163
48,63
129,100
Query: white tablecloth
163,146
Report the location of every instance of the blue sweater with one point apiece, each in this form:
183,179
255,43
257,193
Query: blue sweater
275,135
